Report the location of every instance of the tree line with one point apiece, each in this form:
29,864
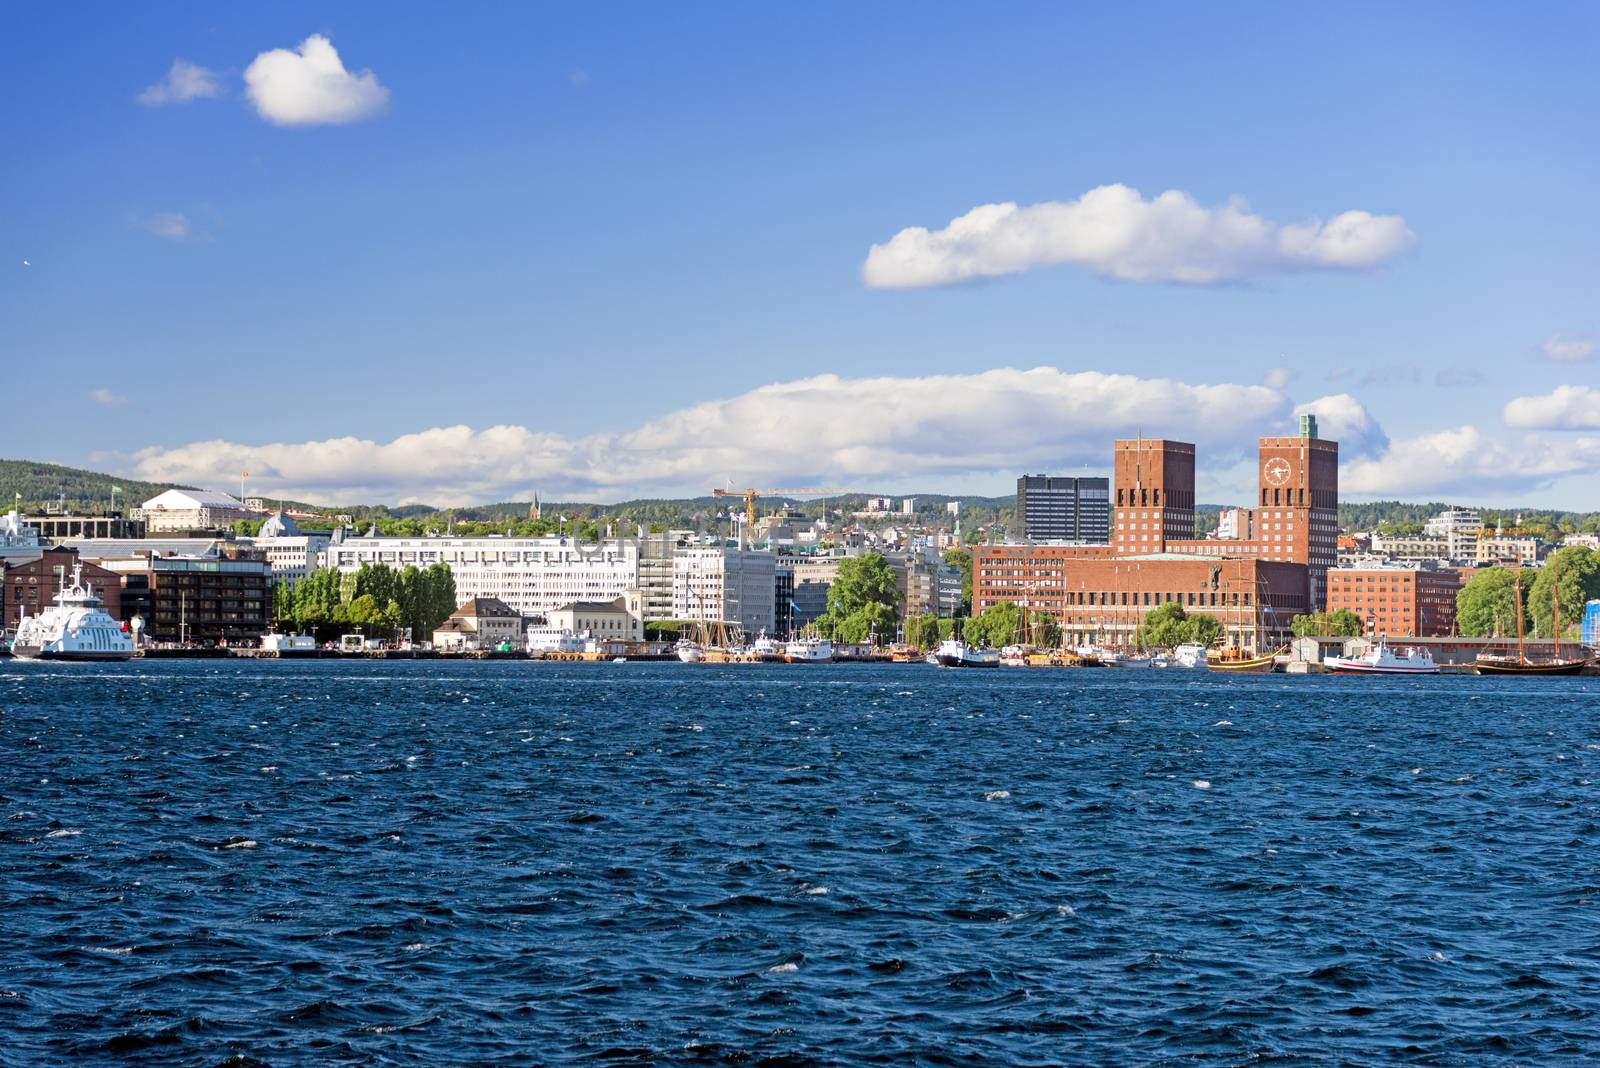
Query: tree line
375,599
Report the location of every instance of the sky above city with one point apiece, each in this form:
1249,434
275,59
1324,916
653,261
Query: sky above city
399,253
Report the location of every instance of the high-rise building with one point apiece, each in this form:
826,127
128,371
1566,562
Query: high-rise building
1154,494
724,583
1068,510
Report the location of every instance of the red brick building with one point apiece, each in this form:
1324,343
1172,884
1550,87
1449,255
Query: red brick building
1257,582
1397,602
32,587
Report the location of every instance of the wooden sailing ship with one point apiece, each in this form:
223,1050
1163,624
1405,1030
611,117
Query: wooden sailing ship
1489,663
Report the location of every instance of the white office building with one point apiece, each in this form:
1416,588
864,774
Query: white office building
181,510
533,575
714,583
1459,527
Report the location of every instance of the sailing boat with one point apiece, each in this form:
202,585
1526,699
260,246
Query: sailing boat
1500,664
1234,658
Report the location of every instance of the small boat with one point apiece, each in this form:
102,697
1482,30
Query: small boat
765,648
689,652
74,628
1017,655
1237,659
1382,660
808,651
955,653
619,660
901,653
1188,655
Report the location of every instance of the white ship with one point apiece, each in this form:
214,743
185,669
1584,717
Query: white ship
1379,659
1188,655
74,628
765,648
955,653
547,639
808,651
689,652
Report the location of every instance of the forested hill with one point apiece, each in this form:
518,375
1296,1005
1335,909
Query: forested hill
42,484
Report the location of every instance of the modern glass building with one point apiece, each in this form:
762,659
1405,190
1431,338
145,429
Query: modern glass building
1072,510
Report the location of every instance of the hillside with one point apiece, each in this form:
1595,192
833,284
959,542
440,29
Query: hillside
45,484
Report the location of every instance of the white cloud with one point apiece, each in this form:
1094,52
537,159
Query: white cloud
1277,377
826,430
310,86
184,82
1113,231
1568,348
108,398
172,225
1341,418
1463,461
1563,408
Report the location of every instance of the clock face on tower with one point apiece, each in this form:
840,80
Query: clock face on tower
1277,471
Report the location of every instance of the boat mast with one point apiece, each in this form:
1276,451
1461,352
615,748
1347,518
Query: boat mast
1555,601
1521,656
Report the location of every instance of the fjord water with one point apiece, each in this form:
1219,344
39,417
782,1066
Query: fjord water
509,862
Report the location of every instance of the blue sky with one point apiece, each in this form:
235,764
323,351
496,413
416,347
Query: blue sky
588,223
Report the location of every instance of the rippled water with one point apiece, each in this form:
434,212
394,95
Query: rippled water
533,863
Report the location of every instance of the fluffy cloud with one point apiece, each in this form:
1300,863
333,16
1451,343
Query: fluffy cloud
1568,348
184,82
108,398
1113,231
1464,461
172,225
1563,408
310,86
826,430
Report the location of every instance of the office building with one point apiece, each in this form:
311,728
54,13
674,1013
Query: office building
1073,511
728,584
1397,602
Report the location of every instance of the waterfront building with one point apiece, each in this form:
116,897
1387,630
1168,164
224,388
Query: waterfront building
292,553
57,527
223,595
29,586
532,575
1417,548
728,584
813,577
614,620
783,605
1506,550
480,623
1101,598
186,510
1154,494
1075,511
1397,602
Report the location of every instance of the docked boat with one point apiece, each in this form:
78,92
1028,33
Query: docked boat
74,628
1489,663
1380,659
903,653
1239,660
955,653
808,651
543,640
765,648
1188,655
689,652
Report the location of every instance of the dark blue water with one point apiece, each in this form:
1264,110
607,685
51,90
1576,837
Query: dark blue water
520,863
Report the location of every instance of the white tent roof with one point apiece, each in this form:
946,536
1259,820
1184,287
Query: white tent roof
185,500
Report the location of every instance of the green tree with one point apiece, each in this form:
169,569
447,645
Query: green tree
1487,604
998,625
1579,570
863,602
1204,629
1164,626
1340,623
923,631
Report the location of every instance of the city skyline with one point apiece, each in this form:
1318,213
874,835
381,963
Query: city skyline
390,259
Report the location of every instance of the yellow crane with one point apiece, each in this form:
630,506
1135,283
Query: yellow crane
752,495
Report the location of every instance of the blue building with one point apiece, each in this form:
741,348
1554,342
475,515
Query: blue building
1589,632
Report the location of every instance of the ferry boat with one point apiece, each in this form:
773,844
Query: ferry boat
543,640
808,651
765,648
74,628
955,653
1379,659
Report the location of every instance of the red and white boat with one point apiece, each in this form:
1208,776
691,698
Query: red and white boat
1379,659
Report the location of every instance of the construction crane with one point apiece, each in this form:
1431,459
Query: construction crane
752,495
